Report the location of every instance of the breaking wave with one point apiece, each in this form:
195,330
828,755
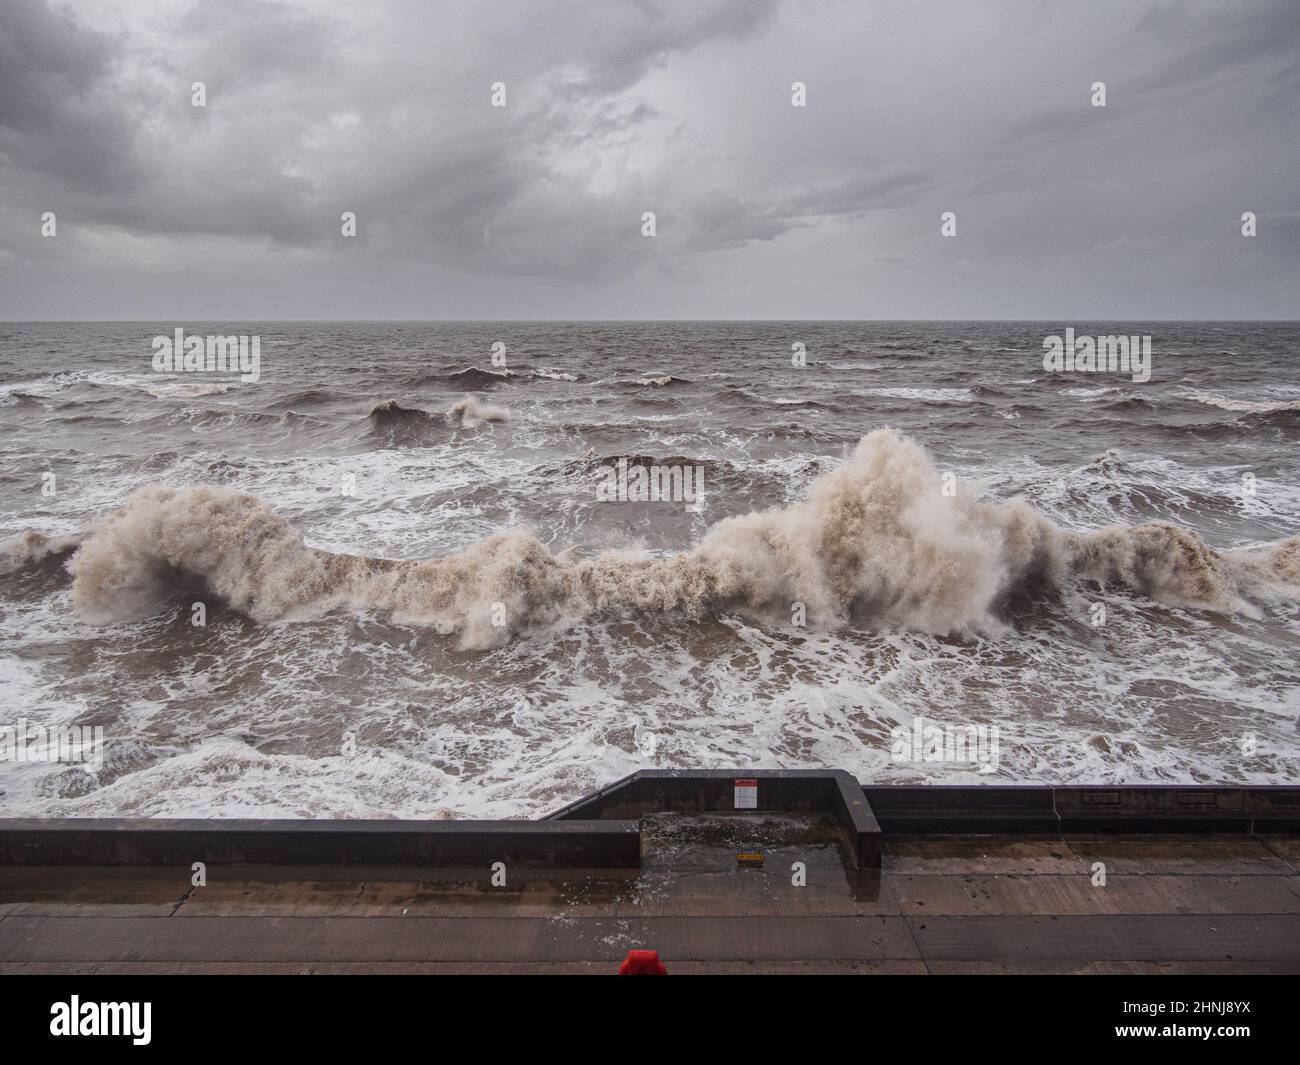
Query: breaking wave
470,412
1248,406
33,550
191,390
473,377
480,380
666,381
877,541
398,426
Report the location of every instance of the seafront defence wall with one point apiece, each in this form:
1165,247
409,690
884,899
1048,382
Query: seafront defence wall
603,830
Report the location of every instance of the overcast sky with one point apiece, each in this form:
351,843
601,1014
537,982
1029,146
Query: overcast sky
681,107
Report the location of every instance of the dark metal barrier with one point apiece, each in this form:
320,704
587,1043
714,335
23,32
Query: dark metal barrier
114,841
938,808
602,831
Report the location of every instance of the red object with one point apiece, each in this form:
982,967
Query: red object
642,963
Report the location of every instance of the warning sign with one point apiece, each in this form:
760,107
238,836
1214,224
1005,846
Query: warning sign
746,794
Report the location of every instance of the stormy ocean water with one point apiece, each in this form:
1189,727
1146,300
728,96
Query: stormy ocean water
418,605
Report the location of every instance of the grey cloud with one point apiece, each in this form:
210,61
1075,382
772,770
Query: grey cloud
617,108
721,219
869,192
52,117
616,54
1210,43
244,43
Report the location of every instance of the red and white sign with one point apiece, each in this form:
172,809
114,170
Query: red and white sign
746,794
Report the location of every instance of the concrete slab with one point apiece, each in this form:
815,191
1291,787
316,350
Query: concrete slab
1020,895
1068,941
960,856
987,904
482,940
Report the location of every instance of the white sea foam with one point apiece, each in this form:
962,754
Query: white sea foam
1247,406
934,395
186,390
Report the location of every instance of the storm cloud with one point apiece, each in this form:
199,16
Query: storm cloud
683,108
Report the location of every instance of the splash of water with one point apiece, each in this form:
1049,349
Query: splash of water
877,541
